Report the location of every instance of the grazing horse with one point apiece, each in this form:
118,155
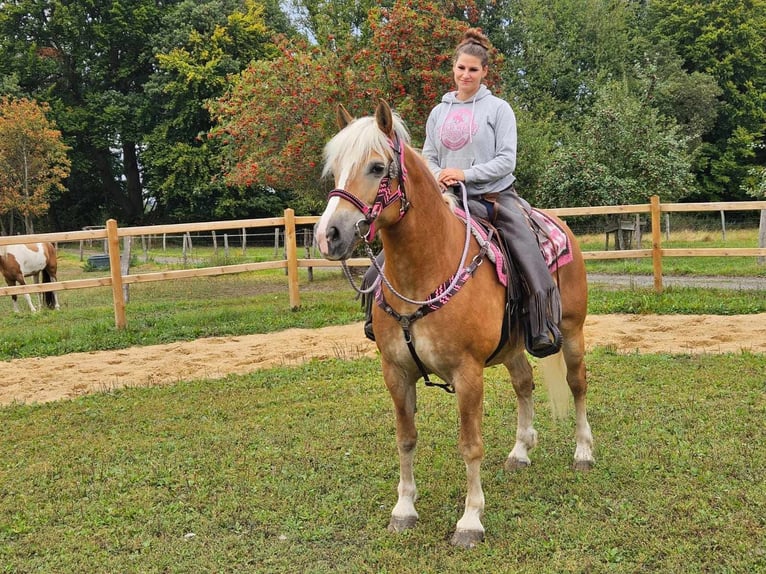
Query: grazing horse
382,184
19,261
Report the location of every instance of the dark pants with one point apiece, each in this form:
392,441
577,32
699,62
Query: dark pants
508,213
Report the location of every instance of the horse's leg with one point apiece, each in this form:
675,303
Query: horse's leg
574,353
26,296
402,391
469,387
526,436
49,276
36,278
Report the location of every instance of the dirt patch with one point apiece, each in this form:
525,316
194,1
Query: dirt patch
53,378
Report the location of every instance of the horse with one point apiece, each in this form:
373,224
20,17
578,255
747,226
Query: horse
383,185
30,260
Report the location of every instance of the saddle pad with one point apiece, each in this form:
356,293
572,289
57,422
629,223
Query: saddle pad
552,238
553,241
494,253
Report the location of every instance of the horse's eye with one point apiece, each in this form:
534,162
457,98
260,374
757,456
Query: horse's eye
377,169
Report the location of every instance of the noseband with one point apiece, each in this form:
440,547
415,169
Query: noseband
385,196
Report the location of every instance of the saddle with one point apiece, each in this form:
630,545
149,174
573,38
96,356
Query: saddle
554,247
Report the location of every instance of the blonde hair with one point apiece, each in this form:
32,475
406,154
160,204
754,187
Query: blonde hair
474,43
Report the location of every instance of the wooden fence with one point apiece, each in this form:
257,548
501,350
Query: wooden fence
120,277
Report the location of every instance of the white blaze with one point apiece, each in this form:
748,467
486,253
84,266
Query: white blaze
329,211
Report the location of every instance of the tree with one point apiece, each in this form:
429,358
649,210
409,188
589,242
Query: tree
624,153
210,42
560,51
90,61
33,161
279,114
725,40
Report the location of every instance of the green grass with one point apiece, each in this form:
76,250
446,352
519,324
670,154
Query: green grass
258,302
683,266
294,470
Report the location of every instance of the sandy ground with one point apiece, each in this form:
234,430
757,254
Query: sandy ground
54,378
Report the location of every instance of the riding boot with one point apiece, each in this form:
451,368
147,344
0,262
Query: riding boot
543,303
370,276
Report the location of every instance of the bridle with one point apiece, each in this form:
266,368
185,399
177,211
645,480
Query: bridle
385,196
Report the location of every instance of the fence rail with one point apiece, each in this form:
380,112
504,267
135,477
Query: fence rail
118,278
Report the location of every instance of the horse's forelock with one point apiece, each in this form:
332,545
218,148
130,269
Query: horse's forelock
352,145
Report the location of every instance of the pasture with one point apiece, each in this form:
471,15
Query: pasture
295,470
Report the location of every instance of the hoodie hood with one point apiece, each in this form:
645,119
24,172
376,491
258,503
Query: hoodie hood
451,97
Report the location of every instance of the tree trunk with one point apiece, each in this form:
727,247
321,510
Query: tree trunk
134,189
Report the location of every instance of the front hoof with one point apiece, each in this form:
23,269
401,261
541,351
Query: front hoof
512,464
467,538
583,465
402,524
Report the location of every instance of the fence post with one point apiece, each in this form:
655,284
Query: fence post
656,243
762,235
276,242
291,250
307,243
113,241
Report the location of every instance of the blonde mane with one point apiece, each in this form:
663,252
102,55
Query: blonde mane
351,146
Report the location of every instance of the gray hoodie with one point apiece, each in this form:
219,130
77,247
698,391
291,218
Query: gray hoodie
477,136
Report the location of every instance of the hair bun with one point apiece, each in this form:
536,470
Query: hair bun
475,36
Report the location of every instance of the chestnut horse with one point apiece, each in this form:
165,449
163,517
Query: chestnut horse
383,184
19,261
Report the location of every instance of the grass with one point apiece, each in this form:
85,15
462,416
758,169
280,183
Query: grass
294,470
684,266
246,303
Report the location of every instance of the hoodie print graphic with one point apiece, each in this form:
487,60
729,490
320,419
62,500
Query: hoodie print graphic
458,129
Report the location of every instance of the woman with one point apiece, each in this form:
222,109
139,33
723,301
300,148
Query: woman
471,139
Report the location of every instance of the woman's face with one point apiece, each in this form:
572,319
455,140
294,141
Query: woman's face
469,74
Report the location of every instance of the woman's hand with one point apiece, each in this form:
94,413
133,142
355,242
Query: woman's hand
451,176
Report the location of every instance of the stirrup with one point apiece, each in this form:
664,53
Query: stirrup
543,345
368,332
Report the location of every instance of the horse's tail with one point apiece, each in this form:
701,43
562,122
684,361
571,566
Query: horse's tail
554,372
49,296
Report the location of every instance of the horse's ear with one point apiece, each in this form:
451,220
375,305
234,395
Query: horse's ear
384,118
344,118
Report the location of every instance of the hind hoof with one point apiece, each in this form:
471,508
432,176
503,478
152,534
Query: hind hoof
512,464
583,465
402,524
467,538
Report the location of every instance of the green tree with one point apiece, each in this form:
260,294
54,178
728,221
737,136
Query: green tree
33,162
723,39
625,152
560,51
210,42
89,61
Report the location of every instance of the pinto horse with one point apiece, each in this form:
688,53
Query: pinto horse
19,261
382,184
